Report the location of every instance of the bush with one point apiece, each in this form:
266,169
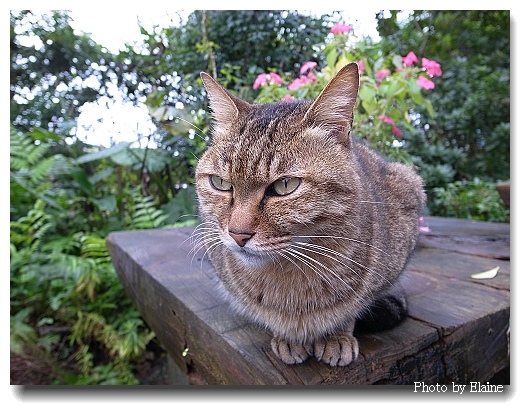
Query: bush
476,199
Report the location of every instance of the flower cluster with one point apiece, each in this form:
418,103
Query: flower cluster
306,76
264,78
340,28
386,97
433,69
382,74
396,131
361,66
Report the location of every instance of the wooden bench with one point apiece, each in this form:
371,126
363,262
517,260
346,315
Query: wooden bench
457,330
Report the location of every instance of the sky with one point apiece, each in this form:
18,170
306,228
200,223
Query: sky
113,33
112,27
122,121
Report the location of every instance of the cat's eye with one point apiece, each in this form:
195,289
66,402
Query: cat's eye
220,184
285,186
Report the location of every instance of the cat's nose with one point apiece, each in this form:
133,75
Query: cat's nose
241,238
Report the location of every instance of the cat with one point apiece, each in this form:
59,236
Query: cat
307,227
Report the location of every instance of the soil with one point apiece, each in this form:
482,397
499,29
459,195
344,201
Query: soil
31,369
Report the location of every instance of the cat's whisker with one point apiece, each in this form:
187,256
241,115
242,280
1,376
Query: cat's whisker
290,253
336,253
322,252
342,237
202,241
202,227
205,235
323,266
376,202
205,138
325,249
212,245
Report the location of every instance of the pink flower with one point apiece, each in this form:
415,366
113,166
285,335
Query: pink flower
288,97
423,226
339,28
309,65
297,83
311,77
433,68
397,132
302,80
382,74
410,58
386,119
425,83
361,66
263,78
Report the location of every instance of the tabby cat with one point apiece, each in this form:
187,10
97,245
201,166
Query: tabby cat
307,228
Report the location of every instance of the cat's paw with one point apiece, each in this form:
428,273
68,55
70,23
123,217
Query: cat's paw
337,350
289,352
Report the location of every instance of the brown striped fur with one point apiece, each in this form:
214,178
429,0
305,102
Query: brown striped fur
308,264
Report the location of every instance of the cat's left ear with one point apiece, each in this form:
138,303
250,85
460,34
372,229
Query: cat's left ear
224,105
334,107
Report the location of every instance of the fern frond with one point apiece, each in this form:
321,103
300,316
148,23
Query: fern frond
30,229
95,248
24,153
145,215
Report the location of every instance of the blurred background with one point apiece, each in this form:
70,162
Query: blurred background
106,127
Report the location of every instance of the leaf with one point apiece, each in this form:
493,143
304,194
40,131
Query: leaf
106,172
80,176
42,134
332,57
489,274
429,107
397,61
378,64
103,153
367,94
107,203
370,106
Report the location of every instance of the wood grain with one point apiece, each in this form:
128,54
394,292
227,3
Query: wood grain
455,321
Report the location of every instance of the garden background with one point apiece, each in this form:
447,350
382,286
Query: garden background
435,93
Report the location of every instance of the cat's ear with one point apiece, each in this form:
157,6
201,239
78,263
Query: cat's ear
333,109
224,105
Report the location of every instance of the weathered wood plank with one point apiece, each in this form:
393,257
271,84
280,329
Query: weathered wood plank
474,238
179,302
459,267
454,320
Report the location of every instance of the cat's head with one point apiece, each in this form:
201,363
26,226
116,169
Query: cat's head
274,172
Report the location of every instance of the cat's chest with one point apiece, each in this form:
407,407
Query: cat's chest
279,285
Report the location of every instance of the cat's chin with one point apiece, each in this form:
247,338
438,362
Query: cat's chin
251,257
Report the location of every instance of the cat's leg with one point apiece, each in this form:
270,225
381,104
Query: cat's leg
338,349
290,352
388,310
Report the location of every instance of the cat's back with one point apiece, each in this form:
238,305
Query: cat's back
392,182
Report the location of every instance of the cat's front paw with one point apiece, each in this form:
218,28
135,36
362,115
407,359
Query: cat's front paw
337,350
289,352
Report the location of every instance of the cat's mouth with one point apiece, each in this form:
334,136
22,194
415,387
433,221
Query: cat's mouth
257,253
252,256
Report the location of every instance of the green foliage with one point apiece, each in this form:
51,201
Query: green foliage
46,67
61,272
475,199
145,215
472,97
389,95
67,303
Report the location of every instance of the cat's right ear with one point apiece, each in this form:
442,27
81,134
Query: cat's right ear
224,105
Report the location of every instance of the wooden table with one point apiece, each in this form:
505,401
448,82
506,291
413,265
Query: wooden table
457,330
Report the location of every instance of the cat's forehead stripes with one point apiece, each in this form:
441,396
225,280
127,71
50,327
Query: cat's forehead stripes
259,147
